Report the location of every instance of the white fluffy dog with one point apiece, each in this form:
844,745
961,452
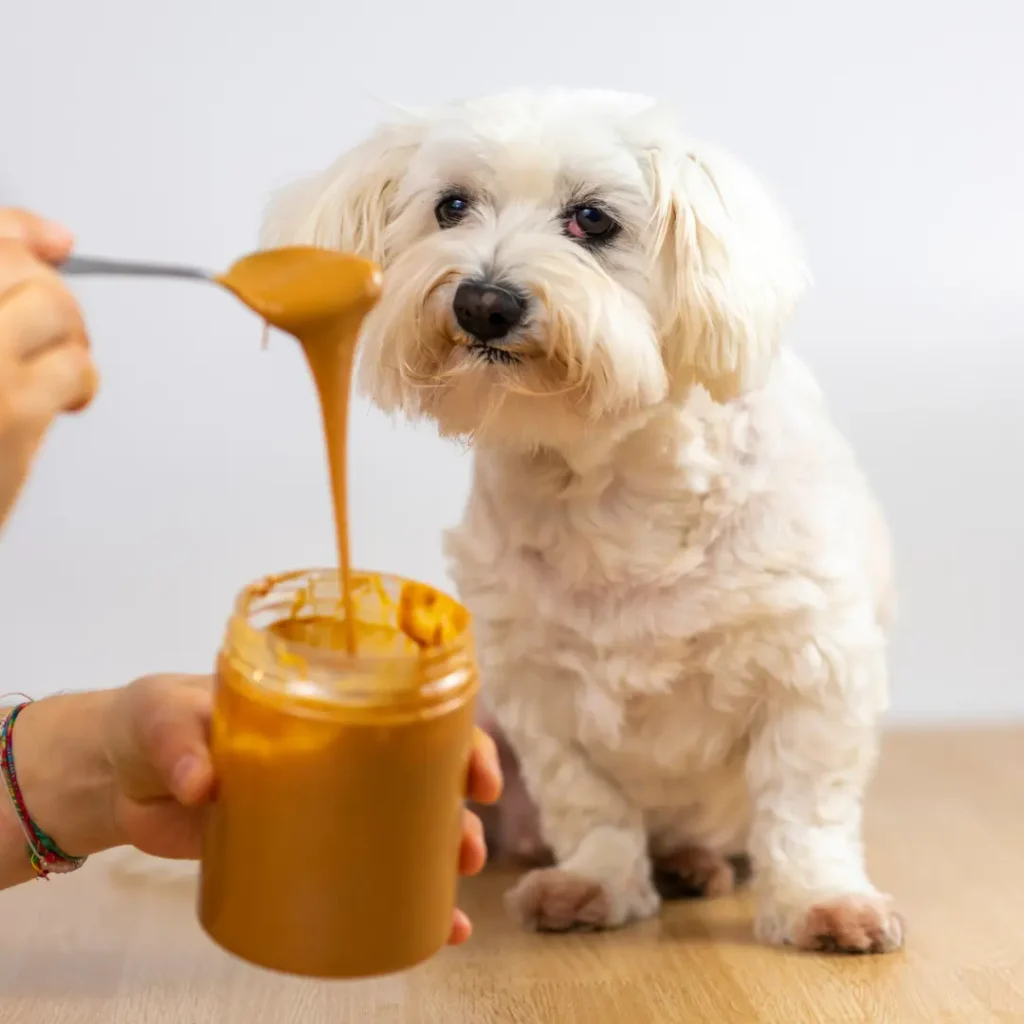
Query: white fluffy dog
680,581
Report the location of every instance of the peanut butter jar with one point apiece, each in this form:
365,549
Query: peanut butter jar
331,847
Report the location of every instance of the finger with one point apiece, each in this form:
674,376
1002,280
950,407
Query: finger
473,847
176,736
36,311
166,829
47,240
485,780
62,379
462,929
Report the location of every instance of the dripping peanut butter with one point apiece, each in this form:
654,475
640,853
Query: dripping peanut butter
321,298
344,711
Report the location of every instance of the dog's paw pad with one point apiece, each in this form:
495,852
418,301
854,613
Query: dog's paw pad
553,900
696,873
851,924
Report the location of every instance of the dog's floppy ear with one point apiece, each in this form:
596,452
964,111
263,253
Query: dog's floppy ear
347,206
730,269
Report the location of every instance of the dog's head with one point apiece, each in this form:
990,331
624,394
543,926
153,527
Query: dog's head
552,262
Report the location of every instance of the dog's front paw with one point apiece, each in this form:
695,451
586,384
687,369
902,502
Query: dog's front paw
694,872
855,923
554,900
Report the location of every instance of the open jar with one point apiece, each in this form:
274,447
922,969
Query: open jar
331,847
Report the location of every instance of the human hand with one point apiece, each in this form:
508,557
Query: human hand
156,742
45,365
132,767
110,768
484,787
157,745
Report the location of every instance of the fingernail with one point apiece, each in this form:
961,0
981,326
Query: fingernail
462,929
499,774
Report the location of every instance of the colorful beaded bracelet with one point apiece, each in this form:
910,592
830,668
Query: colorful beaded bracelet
45,856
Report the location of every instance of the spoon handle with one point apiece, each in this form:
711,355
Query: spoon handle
93,265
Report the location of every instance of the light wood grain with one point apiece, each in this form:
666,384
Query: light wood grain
945,834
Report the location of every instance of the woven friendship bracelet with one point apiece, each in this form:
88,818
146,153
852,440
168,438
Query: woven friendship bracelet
45,856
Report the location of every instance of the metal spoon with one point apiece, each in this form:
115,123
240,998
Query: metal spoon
80,265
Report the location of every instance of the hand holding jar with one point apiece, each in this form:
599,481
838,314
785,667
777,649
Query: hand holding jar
131,767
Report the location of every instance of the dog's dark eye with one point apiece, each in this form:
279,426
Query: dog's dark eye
450,210
591,223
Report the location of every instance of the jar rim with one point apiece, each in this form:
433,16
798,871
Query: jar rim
285,664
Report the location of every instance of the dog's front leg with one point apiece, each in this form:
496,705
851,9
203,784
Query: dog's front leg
808,766
603,873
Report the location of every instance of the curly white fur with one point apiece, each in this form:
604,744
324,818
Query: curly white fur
680,580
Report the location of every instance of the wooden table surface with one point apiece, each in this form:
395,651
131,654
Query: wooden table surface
945,834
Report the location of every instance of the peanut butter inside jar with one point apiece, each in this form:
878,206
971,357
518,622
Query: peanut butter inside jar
343,716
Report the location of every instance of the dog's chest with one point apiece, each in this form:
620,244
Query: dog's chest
601,612
628,536
596,608
650,740
629,570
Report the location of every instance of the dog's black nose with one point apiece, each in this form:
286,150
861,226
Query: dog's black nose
485,311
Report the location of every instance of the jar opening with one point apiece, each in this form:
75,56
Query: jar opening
287,633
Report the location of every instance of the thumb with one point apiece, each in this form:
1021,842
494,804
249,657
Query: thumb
177,730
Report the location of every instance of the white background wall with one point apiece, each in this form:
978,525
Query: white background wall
892,128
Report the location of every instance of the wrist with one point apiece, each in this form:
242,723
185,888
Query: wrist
63,771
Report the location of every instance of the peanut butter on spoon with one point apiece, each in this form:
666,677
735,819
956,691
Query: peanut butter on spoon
307,292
